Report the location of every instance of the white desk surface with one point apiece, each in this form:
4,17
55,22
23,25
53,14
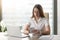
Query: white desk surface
50,37
53,37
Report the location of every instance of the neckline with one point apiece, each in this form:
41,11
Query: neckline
37,20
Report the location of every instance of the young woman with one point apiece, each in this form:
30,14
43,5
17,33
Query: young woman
38,25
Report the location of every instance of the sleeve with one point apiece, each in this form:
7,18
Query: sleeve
46,22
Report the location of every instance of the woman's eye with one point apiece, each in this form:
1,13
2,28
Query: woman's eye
36,12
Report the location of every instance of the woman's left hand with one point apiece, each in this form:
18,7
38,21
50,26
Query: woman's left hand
36,31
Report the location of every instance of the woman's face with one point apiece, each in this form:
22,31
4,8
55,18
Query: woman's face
36,12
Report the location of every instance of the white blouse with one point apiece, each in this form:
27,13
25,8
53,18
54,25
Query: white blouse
42,22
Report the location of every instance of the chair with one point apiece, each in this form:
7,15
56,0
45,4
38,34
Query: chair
46,15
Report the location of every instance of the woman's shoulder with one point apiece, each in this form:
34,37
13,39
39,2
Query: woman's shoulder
45,19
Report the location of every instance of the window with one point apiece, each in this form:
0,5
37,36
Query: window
17,12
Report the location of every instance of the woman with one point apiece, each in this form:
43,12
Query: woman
38,24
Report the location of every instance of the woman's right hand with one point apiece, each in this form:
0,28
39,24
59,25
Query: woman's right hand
26,32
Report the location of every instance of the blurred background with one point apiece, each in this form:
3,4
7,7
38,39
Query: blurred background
18,12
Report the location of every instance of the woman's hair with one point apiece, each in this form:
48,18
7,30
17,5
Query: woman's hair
39,7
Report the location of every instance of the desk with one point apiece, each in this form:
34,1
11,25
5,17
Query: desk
56,37
46,37
2,36
50,37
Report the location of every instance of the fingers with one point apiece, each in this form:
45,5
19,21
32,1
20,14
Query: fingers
26,32
36,31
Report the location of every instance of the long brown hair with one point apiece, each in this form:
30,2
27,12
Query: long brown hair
39,7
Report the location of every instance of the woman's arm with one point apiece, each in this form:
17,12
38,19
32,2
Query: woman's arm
26,29
45,30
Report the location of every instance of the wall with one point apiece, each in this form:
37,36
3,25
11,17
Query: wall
0,11
58,16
